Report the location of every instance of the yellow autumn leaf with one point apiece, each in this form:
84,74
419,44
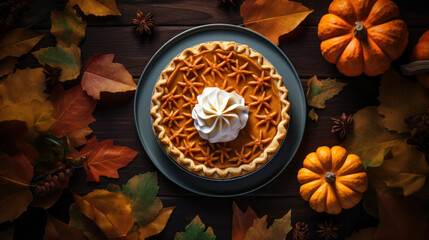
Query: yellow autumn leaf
110,211
67,27
7,65
313,115
157,224
22,87
55,229
277,231
97,7
321,90
18,42
273,18
400,98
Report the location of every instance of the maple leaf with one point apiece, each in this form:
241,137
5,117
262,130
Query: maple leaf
110,211
400,218
16,173
105,158
157,224
80,221
320,91
67,58
7,65
77,137
7,234
364,233
55,229
22,87
399,99
195,231
273,18
67,27
18,42
369,139
37,115
97,7
313,115
407,169
278,230
102,75
73,110
12,141
241,221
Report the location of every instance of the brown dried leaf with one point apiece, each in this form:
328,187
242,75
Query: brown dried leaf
277,231
97,7
7,65
18,42
7,234
241,221
67,27
55,229
157,224
321,90
313,115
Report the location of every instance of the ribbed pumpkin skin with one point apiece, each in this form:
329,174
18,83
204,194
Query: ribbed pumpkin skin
421,52
385,38
347,188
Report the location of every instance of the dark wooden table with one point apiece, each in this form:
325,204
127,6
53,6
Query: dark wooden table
115,120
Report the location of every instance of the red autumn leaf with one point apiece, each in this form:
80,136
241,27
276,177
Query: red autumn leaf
105,158
12,140
73,110
103,75
400,218
241,221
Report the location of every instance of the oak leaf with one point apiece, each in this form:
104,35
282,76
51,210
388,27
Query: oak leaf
73,110
55,229
102,75
16,173
400,98
7,65
23,86
88,227
67,27
400,218
67,58
241,221
12,140
273,18
157,224
195,231
7,234
110,211
313,115
407,169
277,231
97,7
369,139
321,90
18,42
105,159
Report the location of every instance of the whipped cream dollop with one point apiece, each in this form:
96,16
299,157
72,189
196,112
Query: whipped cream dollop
219,115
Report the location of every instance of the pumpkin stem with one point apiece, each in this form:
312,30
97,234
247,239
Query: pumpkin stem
360,31
415,67
330,177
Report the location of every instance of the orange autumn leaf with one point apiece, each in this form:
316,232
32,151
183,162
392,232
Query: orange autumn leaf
77,137
97,7
73,110
103,75
18,42
273,18
16,173
105,159
110,211
55,229
277,231
157,224
241,221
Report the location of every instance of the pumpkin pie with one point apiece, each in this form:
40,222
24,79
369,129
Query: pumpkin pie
220,110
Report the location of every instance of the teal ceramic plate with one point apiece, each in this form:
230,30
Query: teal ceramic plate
190,181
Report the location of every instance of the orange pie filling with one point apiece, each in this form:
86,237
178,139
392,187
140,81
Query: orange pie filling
230,70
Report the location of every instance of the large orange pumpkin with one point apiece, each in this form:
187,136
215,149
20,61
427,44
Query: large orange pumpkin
362,36
332,180
421,52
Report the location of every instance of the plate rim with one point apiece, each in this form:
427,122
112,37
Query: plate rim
156,56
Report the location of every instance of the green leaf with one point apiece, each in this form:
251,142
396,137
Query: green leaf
18,42
277,231
400,98
195,231
68,59
369,139
67,27
320,91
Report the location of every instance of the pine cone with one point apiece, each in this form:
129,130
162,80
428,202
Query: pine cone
300,232
342,126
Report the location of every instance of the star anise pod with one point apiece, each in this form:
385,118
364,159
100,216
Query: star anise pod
300,232
143,23
328,230
10,12
52,76
419,124
343,125
228,1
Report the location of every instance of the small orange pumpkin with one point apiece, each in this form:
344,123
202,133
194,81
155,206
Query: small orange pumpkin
332,180
421,52
362,36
